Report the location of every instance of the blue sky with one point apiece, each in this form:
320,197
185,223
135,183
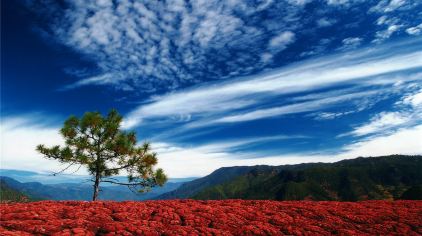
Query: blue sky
216,83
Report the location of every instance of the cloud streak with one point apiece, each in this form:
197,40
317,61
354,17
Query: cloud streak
403,141
237,100
205,158
407,113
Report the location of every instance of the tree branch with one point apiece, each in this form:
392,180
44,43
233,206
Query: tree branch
76,169
125,184
71,164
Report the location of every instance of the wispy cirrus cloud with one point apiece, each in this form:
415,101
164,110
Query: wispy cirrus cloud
325,22
406,113
415,30
351,43
173,158
20,135
237,100
381,122
315,105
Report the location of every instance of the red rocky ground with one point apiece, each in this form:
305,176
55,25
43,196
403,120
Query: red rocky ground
229,217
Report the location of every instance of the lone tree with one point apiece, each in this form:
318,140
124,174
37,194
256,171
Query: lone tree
98,143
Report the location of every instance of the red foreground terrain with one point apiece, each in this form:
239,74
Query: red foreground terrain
228,217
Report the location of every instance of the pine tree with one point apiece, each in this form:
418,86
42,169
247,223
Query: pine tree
99,144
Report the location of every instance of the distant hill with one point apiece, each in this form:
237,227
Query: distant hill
9,194
387,177
74,191
219,176
47,178
76,187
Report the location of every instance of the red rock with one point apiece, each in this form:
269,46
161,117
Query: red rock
228,217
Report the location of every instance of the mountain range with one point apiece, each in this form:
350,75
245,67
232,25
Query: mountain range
73,187
50,178
387,177
8,193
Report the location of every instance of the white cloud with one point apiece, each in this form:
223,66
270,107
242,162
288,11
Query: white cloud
266,57
227,98
382,20
204,158
277,44
394,18
386,6
224,145
281,41
315,105
385,34
299,2
325,22
165,45
351,43
414,30
404,141
169,44
388,20
19,139
381,122
330,115
174,163
407,113
337,2
99,80
414,99
394,4
209,157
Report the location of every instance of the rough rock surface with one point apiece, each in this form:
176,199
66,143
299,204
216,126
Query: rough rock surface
227,217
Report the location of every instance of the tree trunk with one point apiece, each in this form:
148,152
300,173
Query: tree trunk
97,178
96,187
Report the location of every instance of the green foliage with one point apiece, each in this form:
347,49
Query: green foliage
390,177
99,144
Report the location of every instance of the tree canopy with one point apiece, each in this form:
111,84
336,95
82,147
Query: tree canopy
99,144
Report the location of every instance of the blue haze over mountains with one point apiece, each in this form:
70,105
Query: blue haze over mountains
73,187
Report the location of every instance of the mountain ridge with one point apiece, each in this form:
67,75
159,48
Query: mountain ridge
48,178
10,194
74,191
304,181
